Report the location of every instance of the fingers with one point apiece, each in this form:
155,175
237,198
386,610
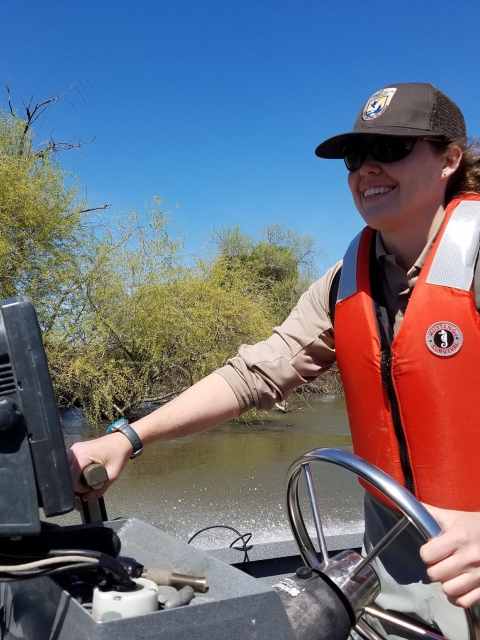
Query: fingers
94,494
452,567
76,473
90,494
466,600
462,534
112,451
444,517
439,548
462,591
453,558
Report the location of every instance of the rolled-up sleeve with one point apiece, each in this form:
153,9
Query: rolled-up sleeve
296,353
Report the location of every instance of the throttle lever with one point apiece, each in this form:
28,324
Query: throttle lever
94,476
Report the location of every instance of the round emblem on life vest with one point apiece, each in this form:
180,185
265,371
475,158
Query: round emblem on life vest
444,338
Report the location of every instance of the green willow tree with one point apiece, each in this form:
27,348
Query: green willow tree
39,216
277,269
151,326
125,318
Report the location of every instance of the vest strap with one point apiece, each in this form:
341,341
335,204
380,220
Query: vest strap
348,279
454,262
333,294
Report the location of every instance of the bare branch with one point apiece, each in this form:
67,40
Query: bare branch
164,398
80,94
156,400
174,365
41,107
34,111
104,206
56,147
119,340
9,99
116,407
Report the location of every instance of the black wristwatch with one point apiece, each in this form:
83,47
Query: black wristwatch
124,427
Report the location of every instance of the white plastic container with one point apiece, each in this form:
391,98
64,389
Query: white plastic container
110,605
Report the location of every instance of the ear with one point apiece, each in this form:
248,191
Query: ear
451,161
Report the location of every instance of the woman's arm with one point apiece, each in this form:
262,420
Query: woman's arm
205,405
262,374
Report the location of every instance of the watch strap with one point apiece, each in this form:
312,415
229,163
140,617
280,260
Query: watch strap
124,427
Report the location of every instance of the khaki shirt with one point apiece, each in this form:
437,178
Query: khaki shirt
303,347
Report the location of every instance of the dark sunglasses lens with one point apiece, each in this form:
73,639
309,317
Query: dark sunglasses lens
382,150
354,157
391,150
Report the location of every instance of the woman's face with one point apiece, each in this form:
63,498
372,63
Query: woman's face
391,196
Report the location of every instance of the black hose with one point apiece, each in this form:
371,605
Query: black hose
245,538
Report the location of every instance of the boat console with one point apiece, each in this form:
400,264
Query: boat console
126,579
85,582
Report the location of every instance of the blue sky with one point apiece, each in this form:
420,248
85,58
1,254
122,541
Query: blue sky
218,105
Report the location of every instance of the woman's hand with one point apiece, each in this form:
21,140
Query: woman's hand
112,451
453,558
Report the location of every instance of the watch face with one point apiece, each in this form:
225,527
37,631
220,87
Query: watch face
115,426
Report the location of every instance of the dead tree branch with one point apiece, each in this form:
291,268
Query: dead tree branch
103,207
56,147
9,100
34,111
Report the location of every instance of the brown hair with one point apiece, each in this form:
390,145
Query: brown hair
466,178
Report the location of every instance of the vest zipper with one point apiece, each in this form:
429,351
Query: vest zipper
385,333
387,381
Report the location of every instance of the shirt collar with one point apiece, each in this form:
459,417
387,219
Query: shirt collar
383,257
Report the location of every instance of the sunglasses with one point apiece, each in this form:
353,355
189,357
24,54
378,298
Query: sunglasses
382,149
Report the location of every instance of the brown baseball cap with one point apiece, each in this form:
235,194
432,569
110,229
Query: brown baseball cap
412,109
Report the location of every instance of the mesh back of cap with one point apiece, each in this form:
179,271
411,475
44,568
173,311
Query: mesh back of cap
446,118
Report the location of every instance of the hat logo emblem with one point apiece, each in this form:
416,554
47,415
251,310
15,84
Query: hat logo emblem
378,103
444,338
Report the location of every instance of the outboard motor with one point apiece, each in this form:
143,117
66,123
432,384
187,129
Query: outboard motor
316,607
325,603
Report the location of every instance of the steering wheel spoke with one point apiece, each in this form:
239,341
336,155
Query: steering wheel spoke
365,631
407,625
316,514
381,545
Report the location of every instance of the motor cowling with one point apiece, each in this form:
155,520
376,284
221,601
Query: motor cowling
315,608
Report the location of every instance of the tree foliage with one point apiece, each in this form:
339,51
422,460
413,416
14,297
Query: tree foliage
277,269
149,324
125,318
39,215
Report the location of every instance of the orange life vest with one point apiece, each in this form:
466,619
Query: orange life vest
412,399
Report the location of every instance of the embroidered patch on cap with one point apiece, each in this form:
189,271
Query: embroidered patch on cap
378,103
444,338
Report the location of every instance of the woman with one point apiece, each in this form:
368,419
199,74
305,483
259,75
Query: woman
407,159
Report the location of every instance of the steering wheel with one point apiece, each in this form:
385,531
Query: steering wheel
347,571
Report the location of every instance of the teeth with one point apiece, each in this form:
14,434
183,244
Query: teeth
374,190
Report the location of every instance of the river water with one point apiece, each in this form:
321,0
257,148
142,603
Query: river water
234,475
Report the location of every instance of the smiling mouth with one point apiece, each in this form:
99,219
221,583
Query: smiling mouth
373,191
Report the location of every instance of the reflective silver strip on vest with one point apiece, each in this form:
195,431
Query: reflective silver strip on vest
348,277
454,262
